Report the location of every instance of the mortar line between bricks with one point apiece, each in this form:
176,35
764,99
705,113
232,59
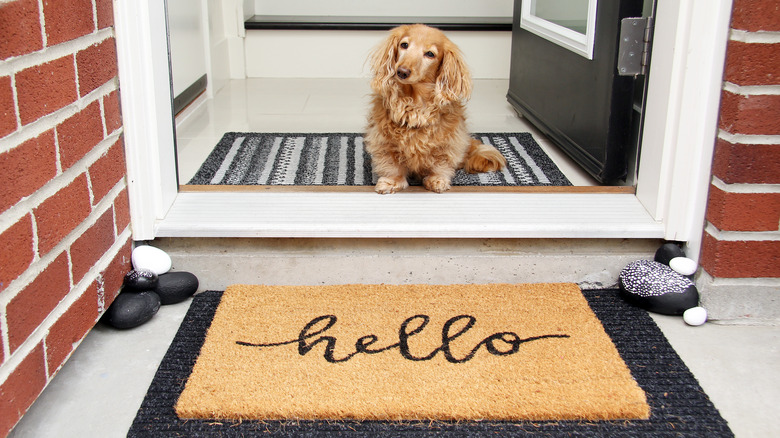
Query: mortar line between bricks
745,188
748,139
752,90
16,64
758,37
742,236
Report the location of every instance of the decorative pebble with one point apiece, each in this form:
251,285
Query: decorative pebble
151,258
656,287
683,265
667,252
131,309
140,279
695,316
175,287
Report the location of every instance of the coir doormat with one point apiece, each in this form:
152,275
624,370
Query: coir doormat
678,405
409,352
304,159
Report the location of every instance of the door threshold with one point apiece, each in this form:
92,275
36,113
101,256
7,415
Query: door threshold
410,214
412,189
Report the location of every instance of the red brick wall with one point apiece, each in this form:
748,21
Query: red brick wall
64,216
743,215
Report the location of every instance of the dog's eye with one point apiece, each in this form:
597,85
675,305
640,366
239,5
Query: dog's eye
404,45
430,55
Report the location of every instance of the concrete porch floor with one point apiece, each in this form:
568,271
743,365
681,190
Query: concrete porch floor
99,390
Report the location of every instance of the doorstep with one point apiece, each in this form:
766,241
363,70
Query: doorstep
360,213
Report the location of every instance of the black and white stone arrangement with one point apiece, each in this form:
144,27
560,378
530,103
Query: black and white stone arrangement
664,285
146,287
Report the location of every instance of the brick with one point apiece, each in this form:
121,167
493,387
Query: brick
743,211
78,134
121,211
16,250
7,107
752,63
32,305
20,26
67,20
751,115
58,215
26,168
740,259
90,246
57,78
115,272
107,171
21,388
747,164
71,328
112,112
756,15
96,65
105,13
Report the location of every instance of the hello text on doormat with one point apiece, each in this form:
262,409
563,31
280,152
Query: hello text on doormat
408,352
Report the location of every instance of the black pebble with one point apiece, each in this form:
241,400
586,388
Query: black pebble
667,252
140,280
175,287
131,309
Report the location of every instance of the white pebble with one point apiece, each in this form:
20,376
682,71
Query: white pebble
151,258
695,316
683,265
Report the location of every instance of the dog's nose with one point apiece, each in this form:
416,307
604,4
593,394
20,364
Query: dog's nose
403,72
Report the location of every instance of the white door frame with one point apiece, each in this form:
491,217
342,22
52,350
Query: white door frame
147,111
678,136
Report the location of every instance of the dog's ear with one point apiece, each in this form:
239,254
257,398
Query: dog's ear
383,60
454,81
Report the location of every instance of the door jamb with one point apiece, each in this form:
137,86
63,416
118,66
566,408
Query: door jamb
680,126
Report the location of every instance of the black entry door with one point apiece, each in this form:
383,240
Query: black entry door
583,105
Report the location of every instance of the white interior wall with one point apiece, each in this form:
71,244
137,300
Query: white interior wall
215,40
395,8
343,54
187,43
218,54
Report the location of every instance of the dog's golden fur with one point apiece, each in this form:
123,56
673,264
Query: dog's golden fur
417,123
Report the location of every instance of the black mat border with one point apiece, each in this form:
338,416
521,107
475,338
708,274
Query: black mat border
679,406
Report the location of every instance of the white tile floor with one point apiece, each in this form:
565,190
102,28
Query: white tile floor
99,390
327,105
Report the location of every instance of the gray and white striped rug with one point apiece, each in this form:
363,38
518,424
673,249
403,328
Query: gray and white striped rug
340,159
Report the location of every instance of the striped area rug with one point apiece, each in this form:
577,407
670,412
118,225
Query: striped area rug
340,159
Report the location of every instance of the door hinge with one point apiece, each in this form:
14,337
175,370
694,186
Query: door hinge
636,36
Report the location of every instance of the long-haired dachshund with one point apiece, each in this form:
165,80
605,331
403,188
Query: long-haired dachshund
417,123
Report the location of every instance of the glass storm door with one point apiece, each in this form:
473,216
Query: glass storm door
564,79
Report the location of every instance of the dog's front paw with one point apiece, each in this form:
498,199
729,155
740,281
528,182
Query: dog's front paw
386,186
436,184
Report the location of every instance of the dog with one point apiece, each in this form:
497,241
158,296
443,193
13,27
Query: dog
417,123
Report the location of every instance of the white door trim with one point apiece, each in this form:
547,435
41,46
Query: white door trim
689,51
679,133
147,111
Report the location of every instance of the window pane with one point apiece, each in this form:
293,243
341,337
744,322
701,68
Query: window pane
571,14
